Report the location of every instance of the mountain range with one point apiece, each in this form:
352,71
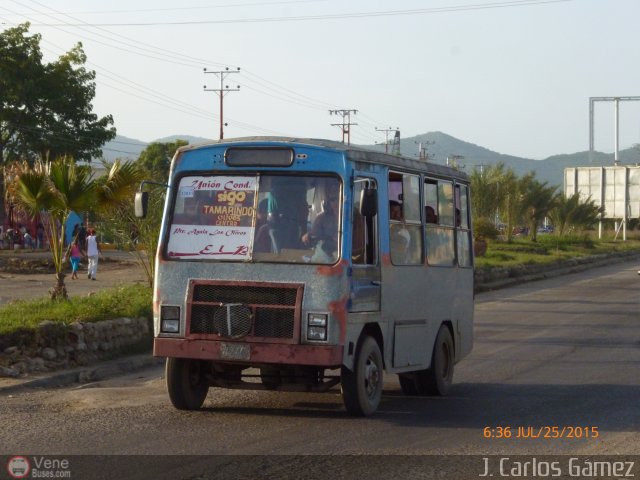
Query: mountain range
440,146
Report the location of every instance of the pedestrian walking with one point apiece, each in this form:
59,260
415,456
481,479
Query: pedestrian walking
75,254
93,252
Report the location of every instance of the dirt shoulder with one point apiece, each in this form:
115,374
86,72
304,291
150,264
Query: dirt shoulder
26,276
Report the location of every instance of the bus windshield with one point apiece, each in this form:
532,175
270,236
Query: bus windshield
260,218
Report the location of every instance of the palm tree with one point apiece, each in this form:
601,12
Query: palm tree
512,209
538,199
488,194
61,187
571,212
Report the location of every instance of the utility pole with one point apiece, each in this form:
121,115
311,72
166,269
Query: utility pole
396,143
423,154
221,92
345,126
386,136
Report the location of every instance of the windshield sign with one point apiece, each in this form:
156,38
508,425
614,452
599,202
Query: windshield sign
266,218
216,218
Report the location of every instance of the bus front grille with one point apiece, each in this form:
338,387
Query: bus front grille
242,310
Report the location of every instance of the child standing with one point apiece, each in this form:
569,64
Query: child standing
75,254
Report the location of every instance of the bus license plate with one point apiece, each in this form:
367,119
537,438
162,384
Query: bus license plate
235,351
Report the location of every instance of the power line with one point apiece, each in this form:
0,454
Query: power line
172,56
170,9
161,54
177,58
423,11
72,140
163,97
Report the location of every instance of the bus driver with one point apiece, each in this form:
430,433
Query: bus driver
323,234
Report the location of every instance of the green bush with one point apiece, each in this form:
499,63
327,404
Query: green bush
483,228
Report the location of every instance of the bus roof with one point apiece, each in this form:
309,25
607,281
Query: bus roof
353,152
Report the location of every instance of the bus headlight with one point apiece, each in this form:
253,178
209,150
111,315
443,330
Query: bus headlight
317,327
170,319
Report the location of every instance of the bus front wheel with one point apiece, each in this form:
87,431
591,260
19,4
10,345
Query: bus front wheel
362,386
186,383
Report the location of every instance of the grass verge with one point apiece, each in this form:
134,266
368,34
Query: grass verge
549,249
126,301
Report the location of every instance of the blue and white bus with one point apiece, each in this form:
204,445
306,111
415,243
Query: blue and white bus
298,265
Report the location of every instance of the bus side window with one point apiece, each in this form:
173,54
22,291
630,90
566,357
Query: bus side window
462,224
439,225
363,237
405,230
430,201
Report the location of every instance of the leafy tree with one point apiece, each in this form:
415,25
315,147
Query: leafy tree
61,187
156,158
45,108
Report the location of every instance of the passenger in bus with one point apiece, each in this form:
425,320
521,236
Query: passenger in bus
282,230
399,235
262,213
323,234
430,214
262,241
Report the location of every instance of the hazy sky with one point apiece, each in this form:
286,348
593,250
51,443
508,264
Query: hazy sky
512,76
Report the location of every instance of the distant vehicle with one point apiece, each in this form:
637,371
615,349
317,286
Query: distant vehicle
547,229
317,263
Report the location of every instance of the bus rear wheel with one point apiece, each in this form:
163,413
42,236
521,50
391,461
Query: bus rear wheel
186,383
438,379
362,386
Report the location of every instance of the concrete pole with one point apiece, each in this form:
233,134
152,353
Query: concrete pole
616,160
601,201
626,202
591,141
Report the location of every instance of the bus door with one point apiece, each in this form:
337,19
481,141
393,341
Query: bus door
405,296
365,279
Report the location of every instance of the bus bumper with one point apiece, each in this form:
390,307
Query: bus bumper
258,353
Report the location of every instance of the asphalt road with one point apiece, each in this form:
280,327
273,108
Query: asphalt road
560,353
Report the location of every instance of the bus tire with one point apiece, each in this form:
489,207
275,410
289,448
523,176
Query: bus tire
186,383
438,379
362,386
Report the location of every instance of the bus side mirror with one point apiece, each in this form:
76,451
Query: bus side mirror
369,202
141,204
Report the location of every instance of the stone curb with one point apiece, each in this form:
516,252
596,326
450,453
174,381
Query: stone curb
86,374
